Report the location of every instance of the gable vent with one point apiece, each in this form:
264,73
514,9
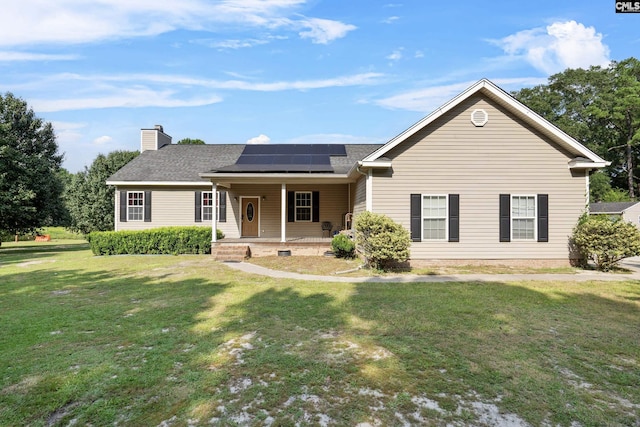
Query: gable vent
479,118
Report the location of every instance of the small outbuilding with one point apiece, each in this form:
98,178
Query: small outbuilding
628,211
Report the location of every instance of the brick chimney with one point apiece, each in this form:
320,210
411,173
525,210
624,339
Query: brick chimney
153,139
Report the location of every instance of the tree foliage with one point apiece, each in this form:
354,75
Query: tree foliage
600,189
382,241
30,187
190,141
89,200
606,242
600,107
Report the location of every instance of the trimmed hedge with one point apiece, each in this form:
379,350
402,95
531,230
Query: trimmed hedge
165,240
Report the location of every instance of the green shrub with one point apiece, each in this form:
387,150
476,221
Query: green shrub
605,242
382,241
343,246
165,240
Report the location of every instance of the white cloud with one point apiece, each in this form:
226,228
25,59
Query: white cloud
102,140
426,100
391,19
557,47
159,90
7,56
231,43
396,55
323,31
260,139
122,98
30,22
418,54
68,131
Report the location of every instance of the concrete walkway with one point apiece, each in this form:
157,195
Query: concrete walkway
632,264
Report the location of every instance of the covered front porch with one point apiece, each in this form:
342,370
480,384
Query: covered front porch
284,211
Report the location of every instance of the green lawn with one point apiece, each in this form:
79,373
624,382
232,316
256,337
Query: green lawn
182,340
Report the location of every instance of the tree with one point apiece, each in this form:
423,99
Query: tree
89,200
600,189
30,187
600,107
189,141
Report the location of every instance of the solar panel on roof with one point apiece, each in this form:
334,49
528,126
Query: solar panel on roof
286,158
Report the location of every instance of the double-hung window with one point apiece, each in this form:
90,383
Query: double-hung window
523,217
135,206
207,205
434,217
303,206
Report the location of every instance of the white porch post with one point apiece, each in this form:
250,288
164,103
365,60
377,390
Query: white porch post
214,216
283,213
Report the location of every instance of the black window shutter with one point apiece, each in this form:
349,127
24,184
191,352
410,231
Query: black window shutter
505,217
543,217
291,206
416,217
147,206
123,206
315,203
198,206
222,204
454,217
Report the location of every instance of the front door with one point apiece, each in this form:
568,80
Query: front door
250,217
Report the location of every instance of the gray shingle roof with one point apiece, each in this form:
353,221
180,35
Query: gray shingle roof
610,207
184,163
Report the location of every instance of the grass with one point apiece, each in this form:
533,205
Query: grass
182,340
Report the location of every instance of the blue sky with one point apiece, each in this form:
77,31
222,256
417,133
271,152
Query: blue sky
282,71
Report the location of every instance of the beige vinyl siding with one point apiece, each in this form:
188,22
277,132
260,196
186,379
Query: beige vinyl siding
360,202
170,206
479,163
148,139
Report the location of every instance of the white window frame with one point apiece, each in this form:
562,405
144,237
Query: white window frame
130,206
423,217
206,210
297,207
534,218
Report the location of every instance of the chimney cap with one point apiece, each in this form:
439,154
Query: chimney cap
159,127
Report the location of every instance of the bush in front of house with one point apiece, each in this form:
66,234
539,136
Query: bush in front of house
605,242
165,240
343,246
383,242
